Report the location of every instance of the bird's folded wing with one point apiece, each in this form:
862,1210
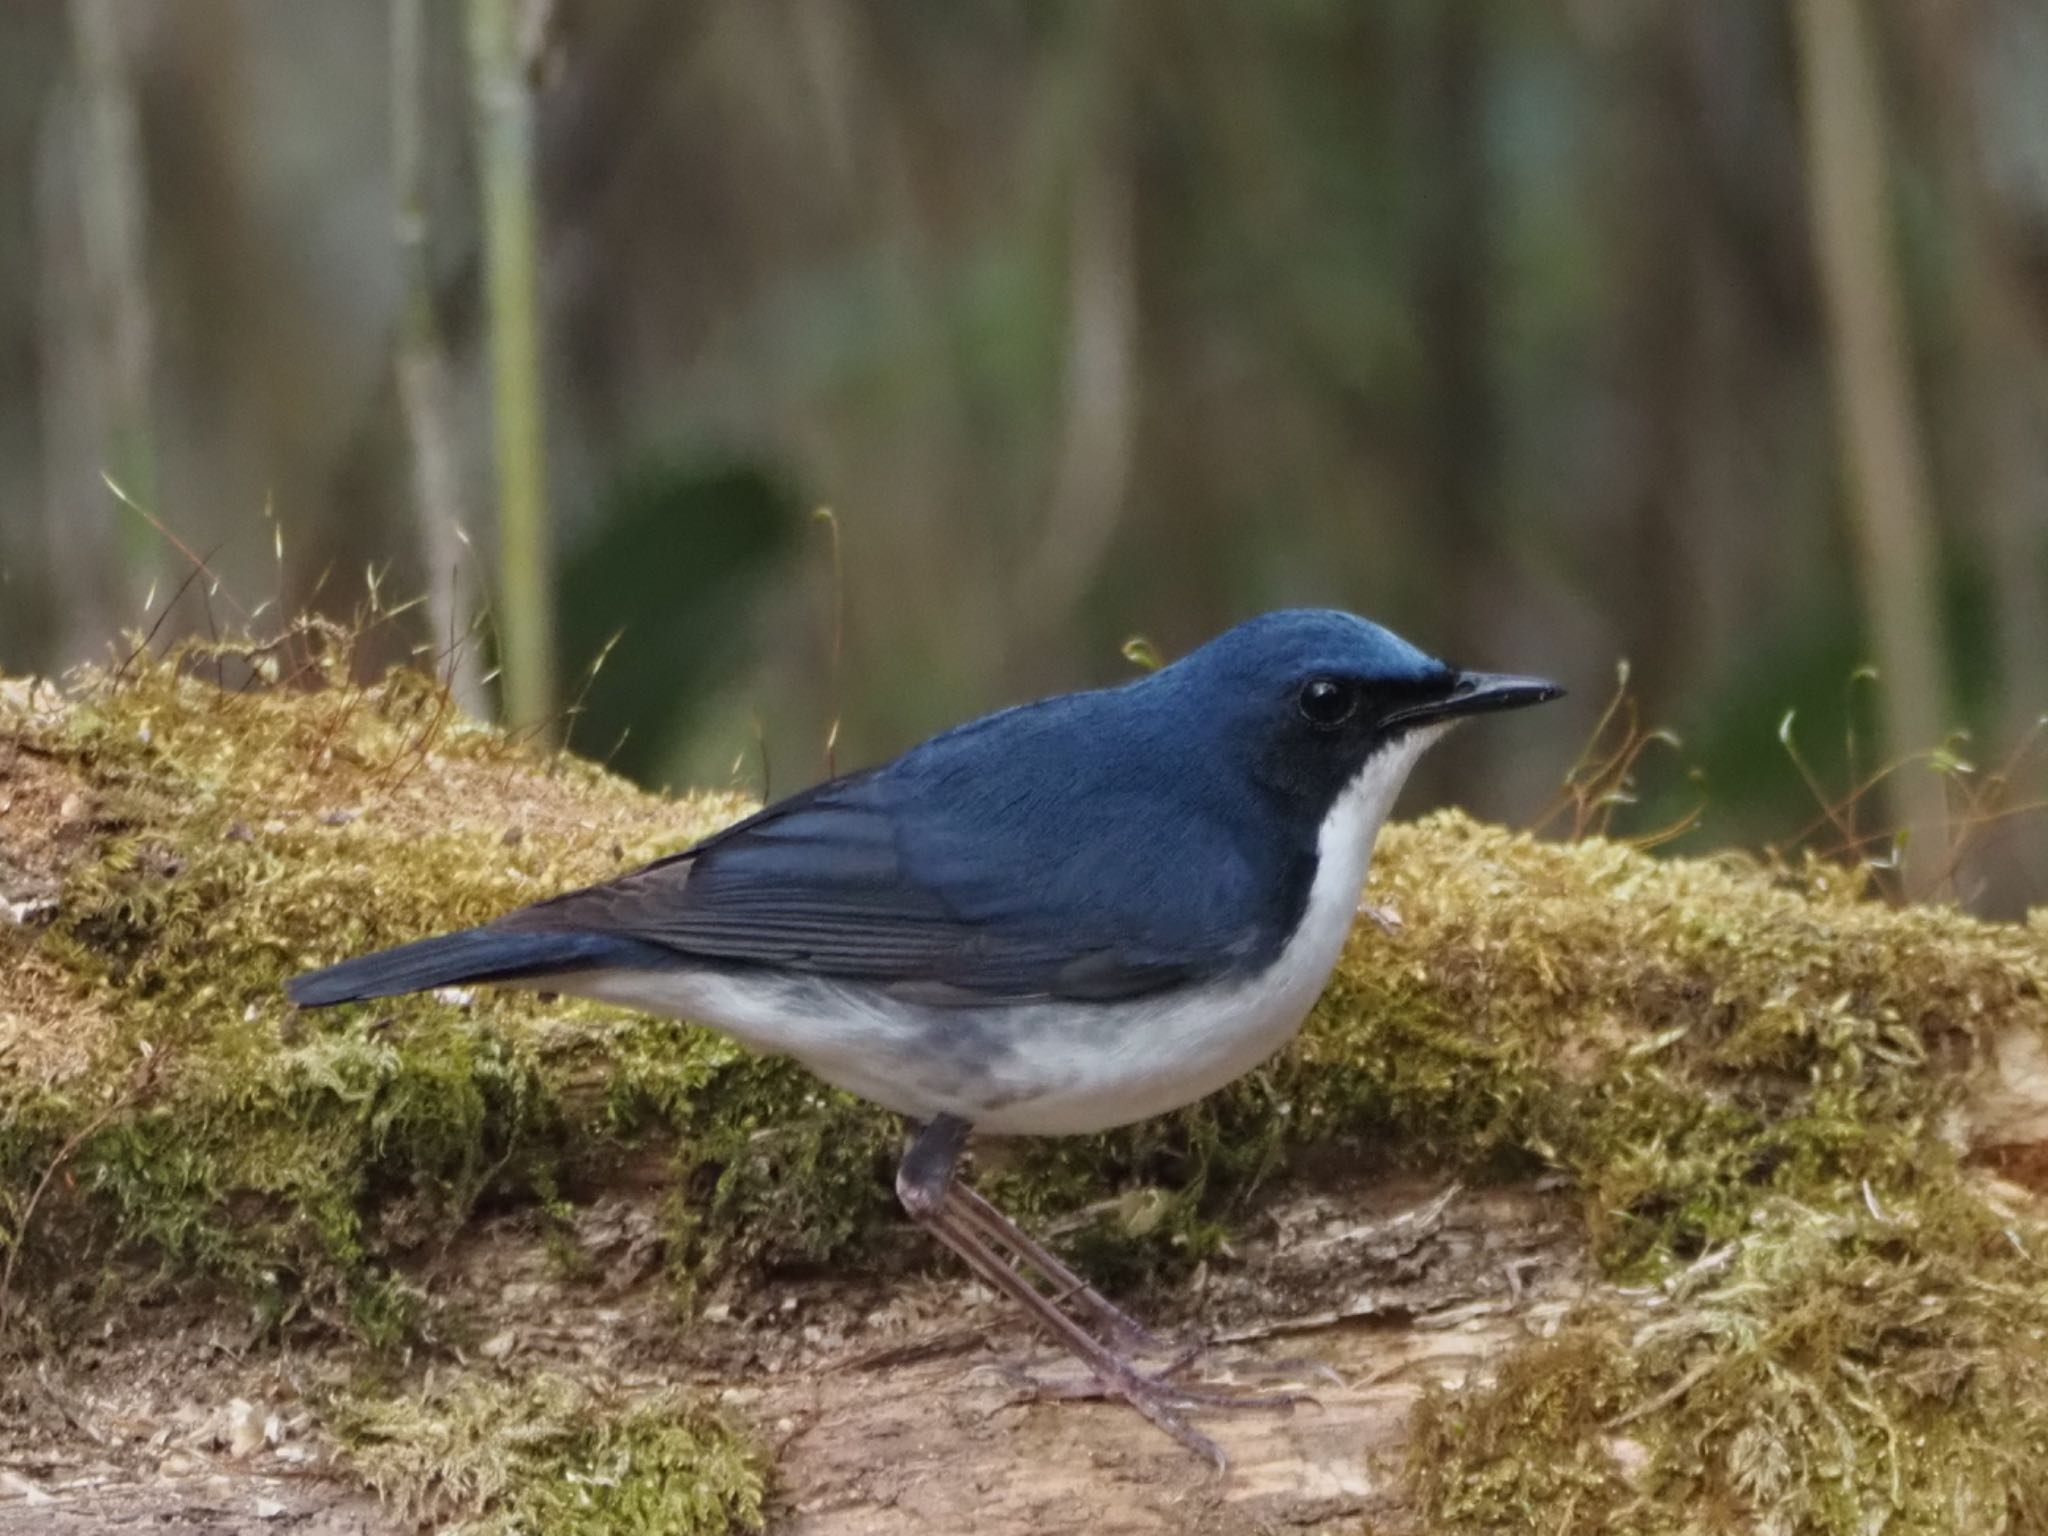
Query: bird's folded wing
858,881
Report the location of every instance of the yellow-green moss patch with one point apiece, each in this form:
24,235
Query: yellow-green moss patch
542,1457
1683,1037
231,837
1839,1372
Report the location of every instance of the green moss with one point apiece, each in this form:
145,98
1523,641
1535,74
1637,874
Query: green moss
777,1165
238,837
1684,1038
1829,1372
522,1458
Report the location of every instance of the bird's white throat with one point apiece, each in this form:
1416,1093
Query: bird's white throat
1351,828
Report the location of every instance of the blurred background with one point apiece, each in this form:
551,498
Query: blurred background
1711,337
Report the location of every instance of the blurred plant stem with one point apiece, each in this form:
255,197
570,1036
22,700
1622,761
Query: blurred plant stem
113,209
77,594
1098,429
1890,519
426,388
1997,409
2000,388
502,86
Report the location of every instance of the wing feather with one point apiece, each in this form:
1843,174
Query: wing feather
867,879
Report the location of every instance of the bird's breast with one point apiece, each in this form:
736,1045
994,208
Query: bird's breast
1072,1070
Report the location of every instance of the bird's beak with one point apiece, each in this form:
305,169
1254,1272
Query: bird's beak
1479,693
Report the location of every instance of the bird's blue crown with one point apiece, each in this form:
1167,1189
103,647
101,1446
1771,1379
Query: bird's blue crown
1294,642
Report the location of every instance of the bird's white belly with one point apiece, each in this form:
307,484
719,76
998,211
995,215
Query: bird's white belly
1088,1071
1052,1067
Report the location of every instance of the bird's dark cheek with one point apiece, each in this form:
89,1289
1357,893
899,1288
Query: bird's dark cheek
1281,767
1307,768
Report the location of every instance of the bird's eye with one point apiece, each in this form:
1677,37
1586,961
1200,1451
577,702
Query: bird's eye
1326,701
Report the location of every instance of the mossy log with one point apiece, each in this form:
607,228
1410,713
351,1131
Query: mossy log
1619,1193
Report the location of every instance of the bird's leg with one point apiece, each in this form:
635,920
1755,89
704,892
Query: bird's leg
925,1176
926,1183
998,1228
928,1178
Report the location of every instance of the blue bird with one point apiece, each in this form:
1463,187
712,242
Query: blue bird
1057,919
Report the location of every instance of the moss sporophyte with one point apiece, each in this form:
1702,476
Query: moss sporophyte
1764,1091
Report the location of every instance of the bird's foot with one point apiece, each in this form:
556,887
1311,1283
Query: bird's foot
1165,1403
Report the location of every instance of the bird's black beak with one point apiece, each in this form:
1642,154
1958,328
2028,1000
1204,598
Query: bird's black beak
1478,693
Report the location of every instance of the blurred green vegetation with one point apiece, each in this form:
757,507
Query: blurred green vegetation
1714,337
674,560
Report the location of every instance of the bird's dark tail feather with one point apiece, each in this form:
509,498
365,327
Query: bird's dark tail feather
473,955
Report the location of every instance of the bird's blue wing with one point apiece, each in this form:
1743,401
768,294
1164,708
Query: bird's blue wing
947,891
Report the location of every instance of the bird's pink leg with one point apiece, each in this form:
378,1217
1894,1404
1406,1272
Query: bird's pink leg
927,1184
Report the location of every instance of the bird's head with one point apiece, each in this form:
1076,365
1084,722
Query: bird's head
1311,697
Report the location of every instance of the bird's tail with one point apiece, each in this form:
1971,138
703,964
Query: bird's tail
472,955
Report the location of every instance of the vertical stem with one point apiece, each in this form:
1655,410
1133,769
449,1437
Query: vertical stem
1891,522
425,384
77,600
504,122
1100,410
1995,391
113,204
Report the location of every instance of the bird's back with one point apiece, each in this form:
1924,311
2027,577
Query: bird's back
1076,847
